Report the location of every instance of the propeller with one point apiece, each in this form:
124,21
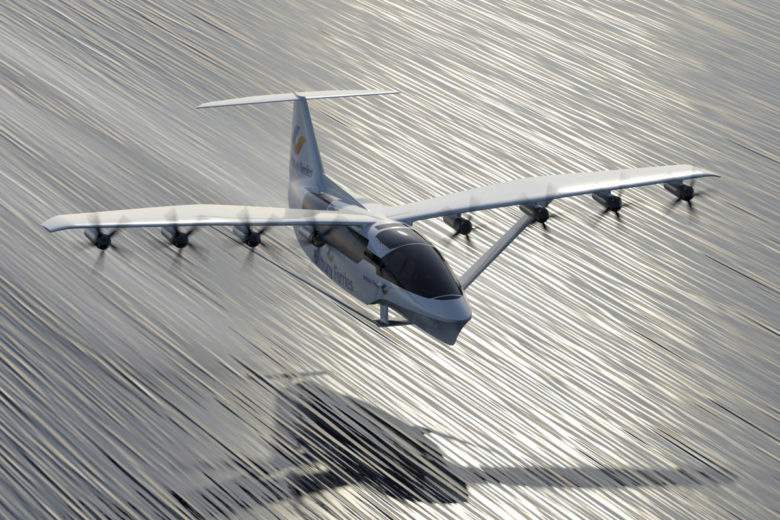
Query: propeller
612,203
684,192
542,215
249,236
539,211
464,227
101,240
460,225
97,237
176,236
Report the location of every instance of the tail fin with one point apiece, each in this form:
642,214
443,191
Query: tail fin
305,164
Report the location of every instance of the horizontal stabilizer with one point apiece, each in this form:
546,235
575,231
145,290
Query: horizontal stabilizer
294,96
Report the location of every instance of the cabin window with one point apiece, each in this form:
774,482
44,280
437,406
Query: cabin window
398,237
344,240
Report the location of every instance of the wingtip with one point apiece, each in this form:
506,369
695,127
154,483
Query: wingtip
49,225
57,223
214,104
389,92
701,172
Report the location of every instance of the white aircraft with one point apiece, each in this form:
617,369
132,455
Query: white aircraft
370,249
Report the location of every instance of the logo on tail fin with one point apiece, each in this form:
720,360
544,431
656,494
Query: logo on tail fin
298,139
299,166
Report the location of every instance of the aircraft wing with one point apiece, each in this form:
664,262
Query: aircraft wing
205,215
540,190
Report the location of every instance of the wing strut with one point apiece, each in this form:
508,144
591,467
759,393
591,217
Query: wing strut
491,254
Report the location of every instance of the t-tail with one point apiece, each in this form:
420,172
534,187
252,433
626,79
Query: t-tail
306,171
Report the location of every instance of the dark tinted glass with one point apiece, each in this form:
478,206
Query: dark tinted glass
420,269
385,226
401,236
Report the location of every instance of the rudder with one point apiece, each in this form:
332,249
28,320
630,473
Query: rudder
305,163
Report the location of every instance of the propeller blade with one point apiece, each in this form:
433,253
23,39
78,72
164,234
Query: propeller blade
117,249
177,259
197,250
248,260
99,261
672,204
249,236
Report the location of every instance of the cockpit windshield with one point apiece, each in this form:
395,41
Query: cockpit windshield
419,268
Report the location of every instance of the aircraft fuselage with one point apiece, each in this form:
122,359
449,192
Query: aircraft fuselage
385,263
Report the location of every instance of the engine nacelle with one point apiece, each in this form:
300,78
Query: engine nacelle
540,213
681,191
461,226
608,200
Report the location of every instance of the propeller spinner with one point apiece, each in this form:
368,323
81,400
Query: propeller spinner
246,234
175,235
99,239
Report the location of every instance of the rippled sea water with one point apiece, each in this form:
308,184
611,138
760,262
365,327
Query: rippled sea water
611,370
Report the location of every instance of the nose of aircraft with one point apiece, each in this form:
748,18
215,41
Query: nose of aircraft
441,318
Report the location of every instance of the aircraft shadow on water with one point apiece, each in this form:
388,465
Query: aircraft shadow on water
328,440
